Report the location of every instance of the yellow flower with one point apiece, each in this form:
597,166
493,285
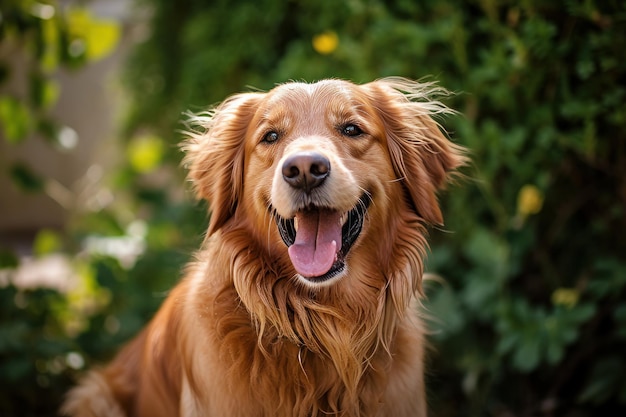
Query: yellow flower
529,200
567,297
102,38
145,153
96,38
326,43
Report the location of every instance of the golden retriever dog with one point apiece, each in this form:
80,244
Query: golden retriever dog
302,299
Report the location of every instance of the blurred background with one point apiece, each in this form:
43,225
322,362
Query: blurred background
96,220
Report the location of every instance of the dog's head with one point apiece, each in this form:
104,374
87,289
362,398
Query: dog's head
330,169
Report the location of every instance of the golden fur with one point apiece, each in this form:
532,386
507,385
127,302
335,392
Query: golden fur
245,334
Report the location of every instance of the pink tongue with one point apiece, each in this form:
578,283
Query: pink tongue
317,241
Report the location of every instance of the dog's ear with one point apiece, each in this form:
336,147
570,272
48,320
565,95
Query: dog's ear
215,154
421,154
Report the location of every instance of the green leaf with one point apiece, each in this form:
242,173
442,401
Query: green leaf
4,72
47,241
488,251
8,259
15,370
554,353
620,317
609,277
15,119
605,379
528,353
25,178
50,37
620,313
444,312
44,92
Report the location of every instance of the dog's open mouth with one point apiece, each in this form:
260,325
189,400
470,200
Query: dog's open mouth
319,238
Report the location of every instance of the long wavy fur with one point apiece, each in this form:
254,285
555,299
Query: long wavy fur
276,346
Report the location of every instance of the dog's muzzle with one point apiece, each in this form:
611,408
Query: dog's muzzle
319,239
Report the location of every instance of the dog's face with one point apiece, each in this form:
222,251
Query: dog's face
323,171
317,159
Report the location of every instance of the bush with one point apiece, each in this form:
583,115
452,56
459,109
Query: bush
530,310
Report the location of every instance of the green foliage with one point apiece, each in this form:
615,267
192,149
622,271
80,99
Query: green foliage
529,315
40,327
15,119
534,267
43,37
33,352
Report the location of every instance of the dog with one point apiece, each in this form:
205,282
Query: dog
303,299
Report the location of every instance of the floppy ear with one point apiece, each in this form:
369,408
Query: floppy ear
421,154
215,155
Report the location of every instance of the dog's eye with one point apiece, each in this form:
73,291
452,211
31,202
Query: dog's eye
271,137
351,130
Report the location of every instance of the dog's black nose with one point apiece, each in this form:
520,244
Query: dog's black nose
306,170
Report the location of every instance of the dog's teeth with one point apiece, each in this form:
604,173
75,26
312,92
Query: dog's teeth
295,223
